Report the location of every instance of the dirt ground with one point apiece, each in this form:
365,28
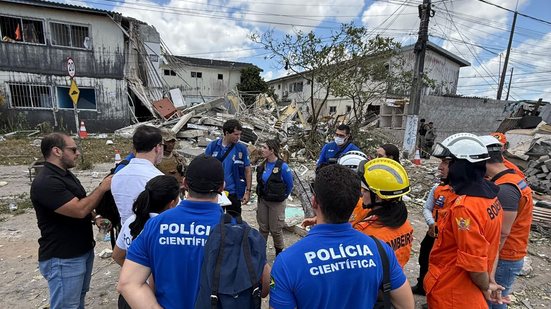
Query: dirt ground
24,287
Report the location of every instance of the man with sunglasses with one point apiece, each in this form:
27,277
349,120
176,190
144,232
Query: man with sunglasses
331,152
64,212
129,182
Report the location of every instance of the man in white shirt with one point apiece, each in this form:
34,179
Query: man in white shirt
129,182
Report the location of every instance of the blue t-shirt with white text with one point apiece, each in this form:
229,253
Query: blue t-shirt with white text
334,266
172,246
239,156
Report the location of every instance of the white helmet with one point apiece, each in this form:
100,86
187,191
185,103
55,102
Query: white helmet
492,143
352,159
465,146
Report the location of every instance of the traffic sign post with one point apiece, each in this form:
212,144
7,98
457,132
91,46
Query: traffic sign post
74,92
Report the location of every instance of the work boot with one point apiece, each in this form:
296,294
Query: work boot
278,251
418,289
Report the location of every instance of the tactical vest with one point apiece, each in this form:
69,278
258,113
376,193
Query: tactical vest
274,189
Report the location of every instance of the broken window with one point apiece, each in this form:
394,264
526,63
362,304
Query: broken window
193,74
170,73
30,96
220,76
17,29
86,99
69,35
332,109
296,87
348,108
197,74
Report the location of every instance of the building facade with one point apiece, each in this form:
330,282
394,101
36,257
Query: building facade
441,66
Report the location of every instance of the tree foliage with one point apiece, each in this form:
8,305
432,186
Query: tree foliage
343,64
251,84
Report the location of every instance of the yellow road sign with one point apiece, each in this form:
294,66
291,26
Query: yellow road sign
74,93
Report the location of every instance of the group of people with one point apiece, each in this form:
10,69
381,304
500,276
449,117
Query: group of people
478,221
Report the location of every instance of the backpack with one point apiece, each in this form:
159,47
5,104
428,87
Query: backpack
235,256
107,208
385,285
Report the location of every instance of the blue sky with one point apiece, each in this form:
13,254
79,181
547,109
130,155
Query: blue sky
476,31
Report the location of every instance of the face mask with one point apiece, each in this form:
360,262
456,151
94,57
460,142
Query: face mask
339,140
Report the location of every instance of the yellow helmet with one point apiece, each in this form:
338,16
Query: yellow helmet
385,177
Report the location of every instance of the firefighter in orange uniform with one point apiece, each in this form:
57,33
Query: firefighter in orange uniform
515,197
441,197
503,140
464,252
384,182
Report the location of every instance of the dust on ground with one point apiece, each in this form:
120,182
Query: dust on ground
24,287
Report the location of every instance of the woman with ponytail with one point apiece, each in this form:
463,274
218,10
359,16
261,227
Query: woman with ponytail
161,193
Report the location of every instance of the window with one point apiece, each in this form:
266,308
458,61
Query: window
69,35
169,73
220,76
279,86
86,99
197,74
22,30
348,108
332,109
153,58
296,87
30,96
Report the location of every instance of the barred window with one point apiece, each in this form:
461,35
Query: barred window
17,29
30,96
69,35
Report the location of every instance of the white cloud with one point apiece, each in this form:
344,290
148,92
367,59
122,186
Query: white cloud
303,14
193,28
273,74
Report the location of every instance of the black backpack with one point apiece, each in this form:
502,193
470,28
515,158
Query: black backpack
108,209
235,256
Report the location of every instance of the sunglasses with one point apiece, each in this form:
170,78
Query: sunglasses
74,149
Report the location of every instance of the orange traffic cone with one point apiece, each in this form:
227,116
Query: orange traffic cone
417,159
117,157
82,131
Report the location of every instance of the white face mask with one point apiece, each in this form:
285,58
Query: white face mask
339,140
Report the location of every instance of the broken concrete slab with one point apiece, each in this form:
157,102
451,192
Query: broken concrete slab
190,134
182,122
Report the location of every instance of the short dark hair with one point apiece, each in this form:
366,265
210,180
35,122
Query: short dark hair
344,127
273,144
422,120
231,125
495,157
392,152
145,138
56,139
337,190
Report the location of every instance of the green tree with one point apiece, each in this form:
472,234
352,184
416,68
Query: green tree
251,84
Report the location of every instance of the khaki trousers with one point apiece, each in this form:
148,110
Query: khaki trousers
271,218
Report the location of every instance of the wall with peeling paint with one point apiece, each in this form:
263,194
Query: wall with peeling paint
101,68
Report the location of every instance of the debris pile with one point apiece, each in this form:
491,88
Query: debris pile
538,174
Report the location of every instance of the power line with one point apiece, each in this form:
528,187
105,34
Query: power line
521,14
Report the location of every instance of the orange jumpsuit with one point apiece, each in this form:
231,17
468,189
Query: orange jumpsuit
399,239
359,213
512,166
516,245
443,199
468,241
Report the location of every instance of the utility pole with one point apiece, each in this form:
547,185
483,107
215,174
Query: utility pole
509,86
410,134
504,72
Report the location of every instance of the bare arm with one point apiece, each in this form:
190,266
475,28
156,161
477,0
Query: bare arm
249,183
265,280
132,285
80,208
402,297
481,279
118,255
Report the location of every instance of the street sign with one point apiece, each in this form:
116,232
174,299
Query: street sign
74,93
71,69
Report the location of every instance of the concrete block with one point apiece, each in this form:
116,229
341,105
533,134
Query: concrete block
548,176
190,133
545,169
544,158
532,179
541,176
548,163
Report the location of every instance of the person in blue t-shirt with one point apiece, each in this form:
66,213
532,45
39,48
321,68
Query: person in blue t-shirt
170,247
335,266
274,184
331,152
237,167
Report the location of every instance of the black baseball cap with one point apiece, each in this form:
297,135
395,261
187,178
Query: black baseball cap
205,174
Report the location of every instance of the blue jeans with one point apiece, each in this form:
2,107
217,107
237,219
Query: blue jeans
506,273
68,280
